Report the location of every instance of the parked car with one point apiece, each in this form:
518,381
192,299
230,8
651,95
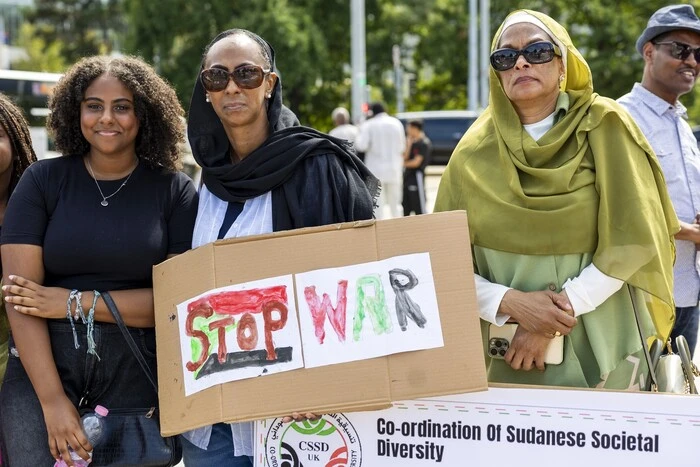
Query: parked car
444,128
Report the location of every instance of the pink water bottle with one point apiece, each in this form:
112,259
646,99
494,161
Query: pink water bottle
94,428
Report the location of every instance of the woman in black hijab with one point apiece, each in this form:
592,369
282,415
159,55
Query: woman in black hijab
262,172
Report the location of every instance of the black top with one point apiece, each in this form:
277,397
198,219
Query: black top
88,246
421,147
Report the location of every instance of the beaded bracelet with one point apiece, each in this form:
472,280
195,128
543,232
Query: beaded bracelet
73,295
91,325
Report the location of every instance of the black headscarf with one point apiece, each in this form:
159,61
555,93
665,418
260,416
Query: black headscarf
275,165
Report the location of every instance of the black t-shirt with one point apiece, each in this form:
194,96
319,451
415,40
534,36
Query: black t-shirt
88,246
421,147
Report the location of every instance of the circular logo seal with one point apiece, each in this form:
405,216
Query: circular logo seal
330,441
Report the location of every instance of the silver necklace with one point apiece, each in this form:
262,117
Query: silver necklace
104,201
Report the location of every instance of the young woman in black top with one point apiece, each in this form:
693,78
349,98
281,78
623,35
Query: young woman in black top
96,219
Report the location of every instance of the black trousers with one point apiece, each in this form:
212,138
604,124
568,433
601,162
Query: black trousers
413,193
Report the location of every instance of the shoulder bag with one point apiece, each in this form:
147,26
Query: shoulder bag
673,373
133,436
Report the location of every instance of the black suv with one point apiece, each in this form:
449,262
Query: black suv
444,128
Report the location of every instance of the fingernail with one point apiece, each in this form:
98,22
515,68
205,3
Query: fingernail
16,308
12,277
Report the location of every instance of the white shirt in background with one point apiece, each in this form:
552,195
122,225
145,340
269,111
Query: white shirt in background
346,131
383,140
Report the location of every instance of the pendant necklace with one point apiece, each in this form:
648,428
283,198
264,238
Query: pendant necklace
104,201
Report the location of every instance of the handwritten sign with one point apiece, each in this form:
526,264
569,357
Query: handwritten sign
368,310
239,331
253,329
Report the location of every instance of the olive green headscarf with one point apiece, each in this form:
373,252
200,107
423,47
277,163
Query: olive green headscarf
590,184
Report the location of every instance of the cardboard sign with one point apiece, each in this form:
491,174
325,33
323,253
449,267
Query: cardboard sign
219,331
456,367
504,426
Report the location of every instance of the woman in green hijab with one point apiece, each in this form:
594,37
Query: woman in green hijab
569,217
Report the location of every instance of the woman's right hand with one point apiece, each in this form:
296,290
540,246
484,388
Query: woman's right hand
527,350
64,428
33,299
543,312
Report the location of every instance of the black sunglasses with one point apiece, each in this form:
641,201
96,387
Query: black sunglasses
539,52
681,51
245,76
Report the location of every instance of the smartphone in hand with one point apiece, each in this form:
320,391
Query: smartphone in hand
500,338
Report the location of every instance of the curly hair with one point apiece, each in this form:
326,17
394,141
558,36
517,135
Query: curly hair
155,103
17,129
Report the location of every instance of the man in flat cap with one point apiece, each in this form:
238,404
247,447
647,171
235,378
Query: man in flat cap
670,46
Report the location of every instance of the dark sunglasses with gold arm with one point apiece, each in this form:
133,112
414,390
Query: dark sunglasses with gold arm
245,77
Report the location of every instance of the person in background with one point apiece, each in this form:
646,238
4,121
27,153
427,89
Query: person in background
96,219
343,128
16,154
416,159
570,222
670,46
383,140
261,173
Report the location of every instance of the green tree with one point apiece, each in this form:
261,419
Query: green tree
443,31
312,41
40,55
605,34
84,27
173,34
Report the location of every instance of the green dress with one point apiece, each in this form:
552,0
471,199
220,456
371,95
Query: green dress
603,350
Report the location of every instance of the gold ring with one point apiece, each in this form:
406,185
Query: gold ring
557,334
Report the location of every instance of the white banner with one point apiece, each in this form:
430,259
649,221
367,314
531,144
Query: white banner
506,425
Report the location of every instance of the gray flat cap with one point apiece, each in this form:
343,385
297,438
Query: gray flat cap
669,18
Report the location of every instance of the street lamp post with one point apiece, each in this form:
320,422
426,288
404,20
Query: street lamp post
473,58
484,62
358,59
398,76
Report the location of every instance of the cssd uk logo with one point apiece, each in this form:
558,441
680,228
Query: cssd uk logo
330,441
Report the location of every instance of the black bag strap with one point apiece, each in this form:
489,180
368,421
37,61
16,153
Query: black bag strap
127,336
647,356
691,371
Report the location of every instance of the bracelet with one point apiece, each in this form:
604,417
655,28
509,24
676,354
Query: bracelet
73,295
91,325
79,307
